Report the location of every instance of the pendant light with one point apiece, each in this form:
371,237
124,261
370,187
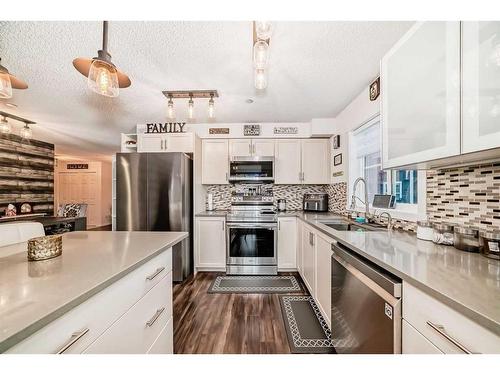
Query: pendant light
102,75
260,79
9,82
26,132
263,29
5,127
170,108
260,54
191,108
211,107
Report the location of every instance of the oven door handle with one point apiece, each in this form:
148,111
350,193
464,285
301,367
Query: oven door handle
253,225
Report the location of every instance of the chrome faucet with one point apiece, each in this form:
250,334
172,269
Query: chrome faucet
354,197
389,219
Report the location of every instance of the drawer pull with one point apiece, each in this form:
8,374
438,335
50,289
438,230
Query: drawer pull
155,317
156,273
73,339
440,329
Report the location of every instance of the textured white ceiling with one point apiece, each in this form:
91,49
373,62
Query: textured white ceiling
315,70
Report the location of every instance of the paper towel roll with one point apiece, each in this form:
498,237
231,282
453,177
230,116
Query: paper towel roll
210,202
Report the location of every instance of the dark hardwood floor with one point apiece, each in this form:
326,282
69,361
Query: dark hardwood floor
226,323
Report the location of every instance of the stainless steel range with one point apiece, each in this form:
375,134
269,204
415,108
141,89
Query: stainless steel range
251,232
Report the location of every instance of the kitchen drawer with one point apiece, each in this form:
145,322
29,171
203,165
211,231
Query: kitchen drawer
98,312
415,343
138,328
422,311
164,343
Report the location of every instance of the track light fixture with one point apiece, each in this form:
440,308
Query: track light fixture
190,95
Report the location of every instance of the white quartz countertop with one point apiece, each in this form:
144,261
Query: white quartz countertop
32,294
467,282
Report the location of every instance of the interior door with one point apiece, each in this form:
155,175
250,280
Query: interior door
287,161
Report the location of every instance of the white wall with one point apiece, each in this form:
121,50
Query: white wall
360,110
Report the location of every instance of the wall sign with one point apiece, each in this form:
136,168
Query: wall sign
375,89
77,166
251,130
167,127
337,159
286,130
336,141
218,131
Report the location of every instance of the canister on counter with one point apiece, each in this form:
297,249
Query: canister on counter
443,233
466,239
425,231
490,244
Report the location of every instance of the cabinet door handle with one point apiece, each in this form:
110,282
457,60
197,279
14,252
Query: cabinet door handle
279,225
156,273
162,144
72,340
155,317
226,177
165,144
250,148
223,225
440,329
254,148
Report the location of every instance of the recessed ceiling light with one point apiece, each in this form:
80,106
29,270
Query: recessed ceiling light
249,101
11,105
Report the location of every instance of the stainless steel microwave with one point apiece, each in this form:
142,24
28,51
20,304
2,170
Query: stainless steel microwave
251,169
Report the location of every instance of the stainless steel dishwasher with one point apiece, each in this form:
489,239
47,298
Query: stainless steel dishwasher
366,305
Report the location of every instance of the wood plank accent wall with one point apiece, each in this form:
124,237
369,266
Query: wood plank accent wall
26,174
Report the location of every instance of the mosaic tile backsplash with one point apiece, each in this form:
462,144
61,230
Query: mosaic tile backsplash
467,195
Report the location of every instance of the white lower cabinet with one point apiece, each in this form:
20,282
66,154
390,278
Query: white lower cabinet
444,327
137,330
210,243
300,224
164,343
80,328
323,275
415,343
309,259
287,244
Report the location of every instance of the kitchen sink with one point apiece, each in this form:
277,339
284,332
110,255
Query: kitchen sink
347,226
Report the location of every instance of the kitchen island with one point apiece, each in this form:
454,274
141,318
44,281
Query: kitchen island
89,291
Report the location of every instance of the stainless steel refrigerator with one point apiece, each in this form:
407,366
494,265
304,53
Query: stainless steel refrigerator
154,193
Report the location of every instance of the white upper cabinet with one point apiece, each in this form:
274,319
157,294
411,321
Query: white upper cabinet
215,161
420,85
287,163
251,147
240,147
165,142
316,161
481,85
263,147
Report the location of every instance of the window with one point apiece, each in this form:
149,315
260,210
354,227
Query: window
365,160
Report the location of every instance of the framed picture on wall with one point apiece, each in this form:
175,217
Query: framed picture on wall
375,89
337,159
336,141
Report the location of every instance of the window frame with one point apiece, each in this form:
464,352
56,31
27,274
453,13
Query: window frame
405,211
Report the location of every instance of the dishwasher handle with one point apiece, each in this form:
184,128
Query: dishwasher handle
384,280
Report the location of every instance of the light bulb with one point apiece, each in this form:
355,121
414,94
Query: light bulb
260,79
191,109
170,109
5,86
26,132
260,54
103,79
211,108
5,127
263,29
